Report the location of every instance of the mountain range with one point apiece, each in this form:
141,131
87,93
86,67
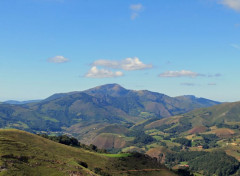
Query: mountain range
95,108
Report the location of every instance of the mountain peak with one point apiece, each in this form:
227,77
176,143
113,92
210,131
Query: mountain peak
190,96
110,86
114,90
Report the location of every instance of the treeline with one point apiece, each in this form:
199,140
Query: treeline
223,125
206,163
71,141
183,141
140,137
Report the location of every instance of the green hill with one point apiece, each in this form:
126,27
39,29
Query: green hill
189,139
22,153
223,115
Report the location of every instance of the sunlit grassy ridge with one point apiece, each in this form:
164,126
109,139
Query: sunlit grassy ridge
22,153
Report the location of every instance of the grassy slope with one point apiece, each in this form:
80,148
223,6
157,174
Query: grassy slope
224,113
228,113
109,140
23,153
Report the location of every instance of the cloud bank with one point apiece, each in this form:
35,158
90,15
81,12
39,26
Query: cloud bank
128,64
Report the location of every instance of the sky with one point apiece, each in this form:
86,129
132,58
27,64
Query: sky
175,47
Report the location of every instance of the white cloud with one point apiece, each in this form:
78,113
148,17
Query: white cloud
182,73
235,46
233,4
58,59
136,7
135,10
126,64
94,72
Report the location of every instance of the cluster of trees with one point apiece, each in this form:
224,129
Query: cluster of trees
175,158
183,141
63,139
184,172
163,127
218,163
208,141
141,138
183,125
176,148
71,141
223,125
207,163
179,128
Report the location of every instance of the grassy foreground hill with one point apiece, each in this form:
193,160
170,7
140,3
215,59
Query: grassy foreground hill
23,153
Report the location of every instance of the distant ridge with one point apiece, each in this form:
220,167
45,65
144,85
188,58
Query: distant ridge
200,100
21,102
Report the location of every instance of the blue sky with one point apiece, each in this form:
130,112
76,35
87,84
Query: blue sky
175,47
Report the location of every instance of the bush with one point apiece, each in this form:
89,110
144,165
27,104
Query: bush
83,164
